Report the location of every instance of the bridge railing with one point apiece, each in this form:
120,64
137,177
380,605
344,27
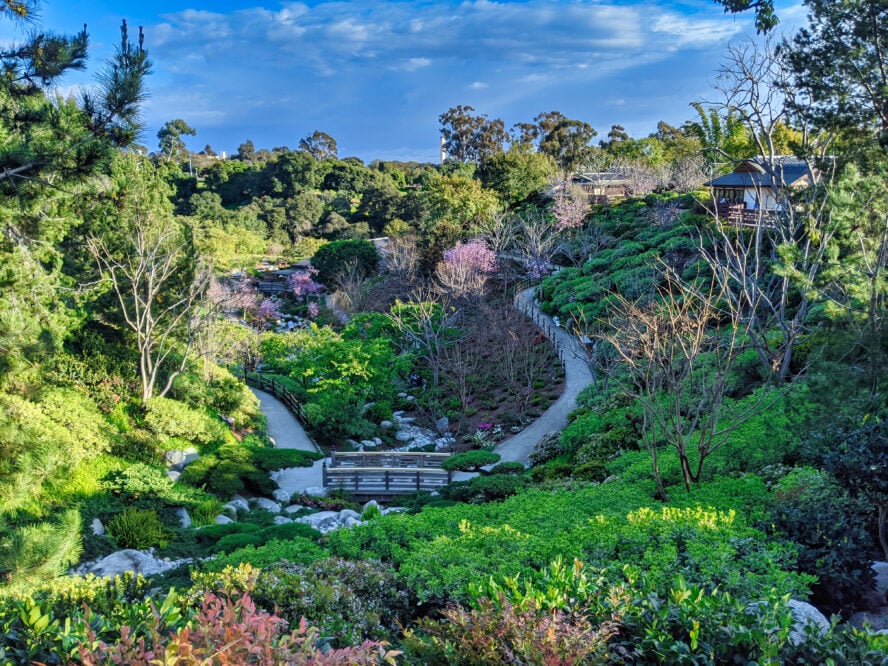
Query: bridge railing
386,472
385,480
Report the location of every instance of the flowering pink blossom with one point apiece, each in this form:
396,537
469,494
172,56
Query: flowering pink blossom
269,310
302,284
465,268
313,310
569,208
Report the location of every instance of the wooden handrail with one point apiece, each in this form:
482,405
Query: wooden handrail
283,394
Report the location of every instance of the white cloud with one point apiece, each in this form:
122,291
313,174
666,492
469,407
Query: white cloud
478,85
412,64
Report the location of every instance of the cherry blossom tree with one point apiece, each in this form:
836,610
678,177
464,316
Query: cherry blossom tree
302,283
465,268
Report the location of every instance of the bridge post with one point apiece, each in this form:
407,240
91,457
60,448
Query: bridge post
324,474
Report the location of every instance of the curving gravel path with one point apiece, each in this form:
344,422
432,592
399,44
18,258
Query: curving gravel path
578,376
288,433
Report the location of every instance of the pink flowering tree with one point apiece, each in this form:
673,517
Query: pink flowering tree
466,268
302,283
269,311
569,207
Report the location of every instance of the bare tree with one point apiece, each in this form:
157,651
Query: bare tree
769,265
537,241
352,291
401,256
164,311
426,327
677,362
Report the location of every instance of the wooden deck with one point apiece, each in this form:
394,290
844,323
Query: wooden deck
745,217
385,473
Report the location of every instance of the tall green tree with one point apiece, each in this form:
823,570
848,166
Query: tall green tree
471,138
170,139
319,145
840,62
50,149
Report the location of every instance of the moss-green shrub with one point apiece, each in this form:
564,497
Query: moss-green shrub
508,468
169,418
205,512
353,600
234,541
268,459
470,461
138,528
296,550
230,470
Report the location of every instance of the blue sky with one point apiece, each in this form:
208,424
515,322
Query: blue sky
375,75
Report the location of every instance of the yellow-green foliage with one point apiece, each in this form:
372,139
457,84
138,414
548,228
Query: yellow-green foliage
62,419
168,418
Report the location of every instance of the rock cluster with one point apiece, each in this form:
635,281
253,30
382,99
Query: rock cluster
138,561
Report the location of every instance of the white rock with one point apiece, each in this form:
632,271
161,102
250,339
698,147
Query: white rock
369,504
281,520
320,517
316,491
97,528
402,395
410,398
281,496
174,474
386,424
348,513
129,560
351,522
184,518
393,509
235,505
267,505
367,442
175,457
377,441
804,614
293,508
223,520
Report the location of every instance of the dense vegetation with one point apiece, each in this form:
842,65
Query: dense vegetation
730,459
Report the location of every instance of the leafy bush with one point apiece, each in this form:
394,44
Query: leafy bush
470,461
269,459
333,259
230,470
235,541
484,488
829,528
352,600
168,418
148,486
548,448
139,529
297,549
508,468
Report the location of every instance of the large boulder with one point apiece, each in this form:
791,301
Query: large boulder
136,561
281,496
267,505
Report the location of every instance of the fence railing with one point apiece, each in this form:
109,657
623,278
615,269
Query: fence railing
280,392
386,472
385,480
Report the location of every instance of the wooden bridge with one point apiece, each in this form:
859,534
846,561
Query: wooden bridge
382,473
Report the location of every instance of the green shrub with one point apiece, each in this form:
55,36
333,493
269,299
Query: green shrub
484,488
829,528
269,459
290,531
230,470
508,468
206,511
334,258
148,486
470,461
371,512
168,418
297,550
352,600
139,529
234,541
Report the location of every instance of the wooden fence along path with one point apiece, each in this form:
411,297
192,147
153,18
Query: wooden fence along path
386,472
277,389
